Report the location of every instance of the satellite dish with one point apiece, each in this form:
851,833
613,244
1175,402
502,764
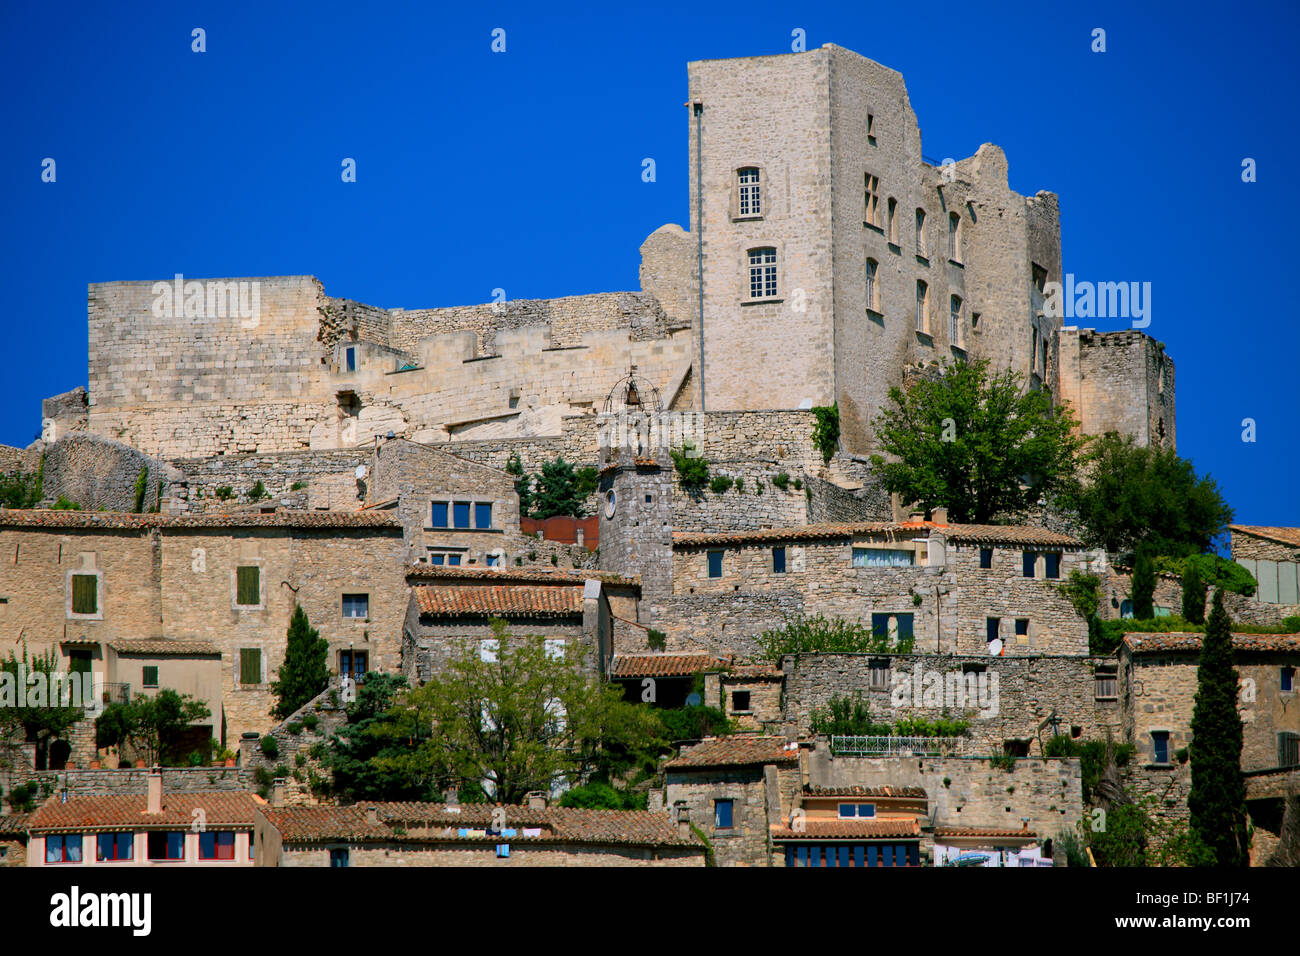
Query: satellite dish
995,648
693,700
360,472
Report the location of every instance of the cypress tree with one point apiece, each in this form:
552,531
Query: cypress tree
1217,800
1143,587
304,673
1193,593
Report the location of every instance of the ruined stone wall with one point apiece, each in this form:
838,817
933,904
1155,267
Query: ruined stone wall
668,272
100,474
15,461
828,503
1119,381
64,414
133,781
328,476
758,504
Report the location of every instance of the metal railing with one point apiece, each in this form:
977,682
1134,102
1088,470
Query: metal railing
116,693
897,746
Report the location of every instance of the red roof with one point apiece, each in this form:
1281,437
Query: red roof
973,533
222,809
662,665
1190,643
995,833
498,600
740,751
435,572
850,830
909,793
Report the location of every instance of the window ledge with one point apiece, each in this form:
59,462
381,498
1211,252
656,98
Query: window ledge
873,227
923,259
876,316
772,301
429,527
957,262
925,337
748,218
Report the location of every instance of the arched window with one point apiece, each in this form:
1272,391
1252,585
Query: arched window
954,237
762,273
751,199
873,289
920,233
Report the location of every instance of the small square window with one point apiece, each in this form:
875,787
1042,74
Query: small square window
453,559
866,810
356,606
986,557
150,676
723,814
438,559
1022,627
339,857
493,560
439,516
483,514
715,564
848,811
778,560
740,701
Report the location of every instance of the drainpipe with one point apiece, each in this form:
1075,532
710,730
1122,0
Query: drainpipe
699,230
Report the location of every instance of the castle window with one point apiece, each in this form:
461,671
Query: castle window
1287,681
922,307
438,519
149,675
740,701
873,289
350,359
483,514
954,237
778,560
871,129
954,320
1022,627
986,557
356,606
891,215
1160,746
1040,277
871,200
715,564
751,200
920,234
248,586
762,273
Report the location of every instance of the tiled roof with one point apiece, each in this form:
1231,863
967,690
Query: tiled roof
850,829
498,600
14,824
121,520
97,811
882,792
985,832
663,665
754,672
161,645
1285,535
1141,643
740,751
423,822
433,572
973,533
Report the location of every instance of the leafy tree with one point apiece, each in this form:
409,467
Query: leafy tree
1193,593
1217,800
692,722
1143,586
1214,571
978,443
304,673
1136,495
826,430
555,491
1084,592
823,635
523,483
38,720
601,796
151,726
523,722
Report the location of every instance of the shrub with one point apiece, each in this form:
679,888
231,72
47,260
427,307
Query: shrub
826,431
720,484
822,635
656,640
63,504
692,723
1003,761
692,470
298,486
798,485
270,747
294,728
740,486
310,721
258,491
224,493
141,486
601,796
781,480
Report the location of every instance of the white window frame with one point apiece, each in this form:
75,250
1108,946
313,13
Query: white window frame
922,306
872,278
749,192
761,271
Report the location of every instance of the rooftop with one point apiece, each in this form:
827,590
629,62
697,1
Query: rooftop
1191,643
162,645
909,793
498,600
960,533
663,665
433,572
1284,535
127,521
222,809
850,830
739,751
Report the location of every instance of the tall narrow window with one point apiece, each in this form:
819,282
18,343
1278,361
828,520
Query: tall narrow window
715,564
891,213
871,199
920,233
350,355
871,130
438,519
85,594
723,814
922,307
1160,746
482,514
873,292
778,560
954,237
248,586
460,514
751,200
991,629
250,665
954,320
762,273
1288,749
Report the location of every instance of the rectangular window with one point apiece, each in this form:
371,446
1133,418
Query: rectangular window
751,200
848,811
986,557
722,814
715,564
339,857
150,676
438,559
439,516
1028,561
871,199
920,233
878,675
460,514
1105,685
871,129
991,629
79,662
740,701
880,624
250,665
872,302
356,605
166,845
1022,627
891,208
63,848
954,237
217,845
762,273
114,847
1160,745
1287,682
493,560
354,664
867,810
1288,749
922,307
883,558
482,514
453,560
954,320
778,560
248,586
1052,562
85,594
350,357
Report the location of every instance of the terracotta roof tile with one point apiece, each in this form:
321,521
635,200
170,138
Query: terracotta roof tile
14,824
498,600
985,832
98,811
120,520
1144,643
850,830
1284,535
883,792
162,645
973,533
740,751
432,572
663,665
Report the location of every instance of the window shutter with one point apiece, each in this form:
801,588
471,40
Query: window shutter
250,665
248,590
85,594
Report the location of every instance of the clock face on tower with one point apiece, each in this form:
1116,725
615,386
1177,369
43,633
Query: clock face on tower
611,502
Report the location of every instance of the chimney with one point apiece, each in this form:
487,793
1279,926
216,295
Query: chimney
372,815
939,516
536,800
277,792
154,804
452,799
683,814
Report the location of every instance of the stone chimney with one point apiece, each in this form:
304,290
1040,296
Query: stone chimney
452,799
683,814
372,815
154,803
536,800
939,516
277,791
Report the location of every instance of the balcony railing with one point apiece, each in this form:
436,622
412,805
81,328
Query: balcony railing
116,693
898,746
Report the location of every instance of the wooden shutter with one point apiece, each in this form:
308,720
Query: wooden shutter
250,665
85,594
248,590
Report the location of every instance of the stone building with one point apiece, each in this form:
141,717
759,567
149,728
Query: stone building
426,834
1272,556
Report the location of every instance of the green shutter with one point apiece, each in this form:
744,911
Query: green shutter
248,590
250,665
85,594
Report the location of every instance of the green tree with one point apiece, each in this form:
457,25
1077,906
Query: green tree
823,635
555,491
1143,586
151,726
980,444
1134,495
601,796
1193,593
23,490
305,672
40,719
523,484
522,722
1217,800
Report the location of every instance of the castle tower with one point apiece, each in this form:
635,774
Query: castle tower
1119,381
636,531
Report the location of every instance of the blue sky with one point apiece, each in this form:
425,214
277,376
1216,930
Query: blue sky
522,170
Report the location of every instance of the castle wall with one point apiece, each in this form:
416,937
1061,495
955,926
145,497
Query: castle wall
1121,382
